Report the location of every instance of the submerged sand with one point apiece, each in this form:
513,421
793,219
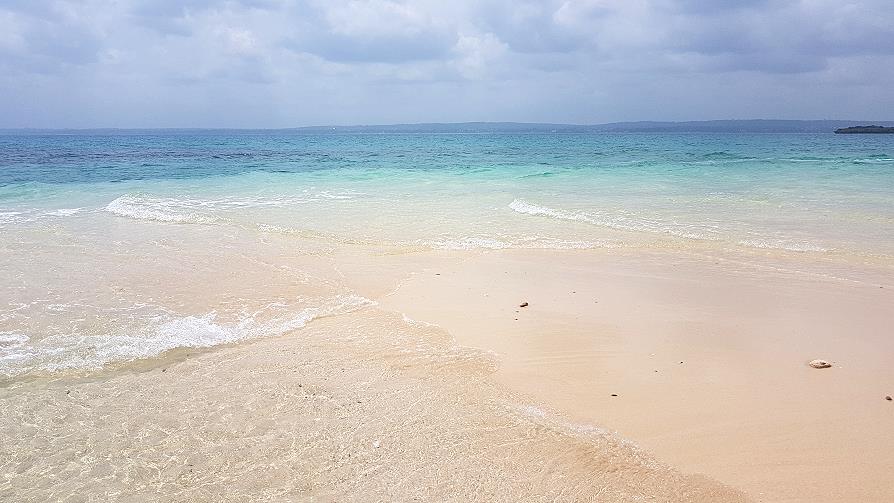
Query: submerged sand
378,411
656,376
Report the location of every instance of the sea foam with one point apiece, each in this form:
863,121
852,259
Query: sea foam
170,210
534,243
91,352
184,210
620,221
64,212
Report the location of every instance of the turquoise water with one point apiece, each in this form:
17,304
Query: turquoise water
108,243
821,193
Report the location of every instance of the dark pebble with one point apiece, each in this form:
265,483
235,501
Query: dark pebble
888,398
613,394
523,304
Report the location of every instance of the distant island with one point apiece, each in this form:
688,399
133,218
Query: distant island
711,126
865,130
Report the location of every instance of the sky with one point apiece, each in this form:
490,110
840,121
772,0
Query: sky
286,63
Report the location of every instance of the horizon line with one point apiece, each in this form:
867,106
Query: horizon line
398,124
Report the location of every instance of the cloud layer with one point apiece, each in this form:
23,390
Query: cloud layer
281,63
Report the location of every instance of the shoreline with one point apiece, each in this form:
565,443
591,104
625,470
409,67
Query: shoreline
322,414
743,408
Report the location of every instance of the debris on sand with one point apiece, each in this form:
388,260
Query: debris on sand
523,304
820,364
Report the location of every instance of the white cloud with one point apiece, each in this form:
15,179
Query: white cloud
477,54
374,18
238,41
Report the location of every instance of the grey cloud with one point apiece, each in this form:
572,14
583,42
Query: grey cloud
312,61
784,37
716,6
50,41
317,34
395,49
168,17
531,28
172,17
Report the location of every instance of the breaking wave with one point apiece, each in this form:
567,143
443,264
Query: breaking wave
18,355
170,210
696,232
621,221
183,210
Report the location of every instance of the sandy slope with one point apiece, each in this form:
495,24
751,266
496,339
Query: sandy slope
360,407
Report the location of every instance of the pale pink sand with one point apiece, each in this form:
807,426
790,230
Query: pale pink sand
708,359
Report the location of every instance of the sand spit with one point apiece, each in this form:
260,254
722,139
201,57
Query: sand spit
359,407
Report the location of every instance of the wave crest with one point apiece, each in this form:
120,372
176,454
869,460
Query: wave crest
170,210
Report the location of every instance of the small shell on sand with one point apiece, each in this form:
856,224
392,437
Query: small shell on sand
820,364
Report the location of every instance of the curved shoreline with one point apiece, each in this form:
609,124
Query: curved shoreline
344,413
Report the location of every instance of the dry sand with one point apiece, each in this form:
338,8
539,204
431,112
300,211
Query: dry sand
708,360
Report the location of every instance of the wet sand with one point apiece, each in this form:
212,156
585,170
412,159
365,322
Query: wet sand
359,407
447,390
708,360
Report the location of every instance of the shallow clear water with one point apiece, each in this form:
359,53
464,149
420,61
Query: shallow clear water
122,246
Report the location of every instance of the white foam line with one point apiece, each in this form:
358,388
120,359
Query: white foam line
619,223
18,355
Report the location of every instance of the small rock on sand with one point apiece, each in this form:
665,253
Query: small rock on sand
523,304
820,364
888,398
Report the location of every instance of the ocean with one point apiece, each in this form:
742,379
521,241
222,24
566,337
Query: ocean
119,247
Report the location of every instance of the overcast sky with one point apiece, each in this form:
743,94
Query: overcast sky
281,63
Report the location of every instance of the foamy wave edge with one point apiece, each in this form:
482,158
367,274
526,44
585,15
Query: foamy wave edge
202,211
476,243
622,223
156,209
65,353
802,247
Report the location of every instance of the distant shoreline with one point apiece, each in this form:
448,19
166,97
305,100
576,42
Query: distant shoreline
865,130
713,126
